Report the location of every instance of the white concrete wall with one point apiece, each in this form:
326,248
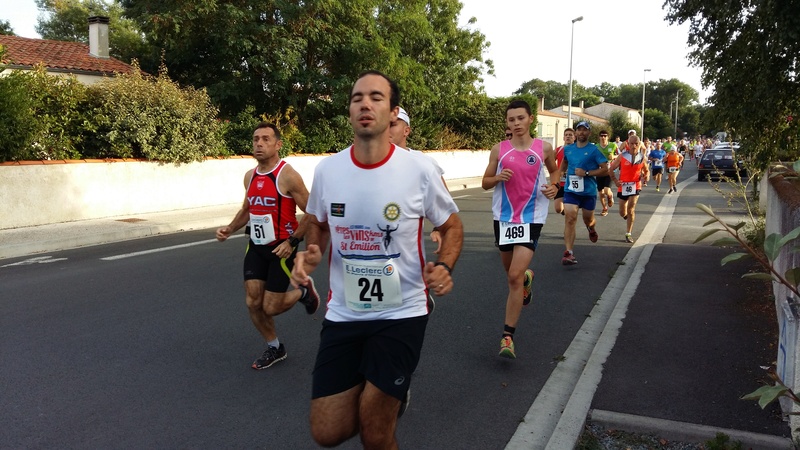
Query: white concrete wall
39,194
782,216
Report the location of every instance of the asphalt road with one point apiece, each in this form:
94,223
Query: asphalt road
102,349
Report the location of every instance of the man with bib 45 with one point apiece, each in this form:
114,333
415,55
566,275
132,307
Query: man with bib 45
582,162
632,171
520,201
274,191
370,201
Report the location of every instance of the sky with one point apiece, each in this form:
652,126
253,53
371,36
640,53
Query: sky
615,42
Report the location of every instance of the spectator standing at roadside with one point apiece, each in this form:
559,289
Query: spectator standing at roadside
632,172
372,335
516,171
582,162
274,190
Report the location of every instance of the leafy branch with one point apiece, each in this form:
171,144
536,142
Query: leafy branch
772,248
769,393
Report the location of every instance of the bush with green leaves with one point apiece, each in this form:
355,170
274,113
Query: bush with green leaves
40,116
138,116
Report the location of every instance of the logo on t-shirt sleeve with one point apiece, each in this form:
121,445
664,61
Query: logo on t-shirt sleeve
337,209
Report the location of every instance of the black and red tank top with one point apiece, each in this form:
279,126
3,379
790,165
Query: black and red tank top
264,197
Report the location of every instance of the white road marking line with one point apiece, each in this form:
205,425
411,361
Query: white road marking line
37,260
556,417
164,249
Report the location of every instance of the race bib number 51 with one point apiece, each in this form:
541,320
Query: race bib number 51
371,285
514,233
262,231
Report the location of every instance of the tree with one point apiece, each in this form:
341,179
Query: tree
5,28
68,21
557,94
303,56
619,123
657,124
749,53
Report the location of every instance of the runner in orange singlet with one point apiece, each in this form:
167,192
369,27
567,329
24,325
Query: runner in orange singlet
633,170
674,162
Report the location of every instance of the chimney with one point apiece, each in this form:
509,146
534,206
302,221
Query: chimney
541,103
98,36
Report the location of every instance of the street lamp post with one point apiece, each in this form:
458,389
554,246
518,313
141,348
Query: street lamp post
675,132
644,77
571,42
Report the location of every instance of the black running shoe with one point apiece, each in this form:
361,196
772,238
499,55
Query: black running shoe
270,356
310,297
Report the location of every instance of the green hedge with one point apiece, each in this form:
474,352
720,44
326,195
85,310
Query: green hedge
139,116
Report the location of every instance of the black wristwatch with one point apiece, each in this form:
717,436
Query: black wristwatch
293,241
444,264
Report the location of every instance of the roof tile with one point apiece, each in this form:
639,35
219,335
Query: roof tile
60,55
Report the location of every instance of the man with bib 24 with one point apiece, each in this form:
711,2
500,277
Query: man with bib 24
519,207
370,200
274,191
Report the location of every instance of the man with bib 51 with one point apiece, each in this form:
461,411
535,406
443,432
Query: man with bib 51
274,191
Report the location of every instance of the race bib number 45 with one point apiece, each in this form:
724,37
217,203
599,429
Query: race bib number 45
371,285
514,233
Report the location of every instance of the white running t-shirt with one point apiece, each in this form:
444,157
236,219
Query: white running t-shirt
375,215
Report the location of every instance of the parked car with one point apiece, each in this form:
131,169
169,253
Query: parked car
733,145
720,161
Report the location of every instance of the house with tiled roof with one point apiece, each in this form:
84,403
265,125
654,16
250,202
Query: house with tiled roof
88,63
552,123
605,110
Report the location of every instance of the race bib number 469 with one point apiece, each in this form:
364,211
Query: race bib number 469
514,233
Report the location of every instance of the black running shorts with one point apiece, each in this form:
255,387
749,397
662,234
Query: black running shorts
535,232
261,264
383,352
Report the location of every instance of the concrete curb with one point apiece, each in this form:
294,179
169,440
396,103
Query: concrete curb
685,432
